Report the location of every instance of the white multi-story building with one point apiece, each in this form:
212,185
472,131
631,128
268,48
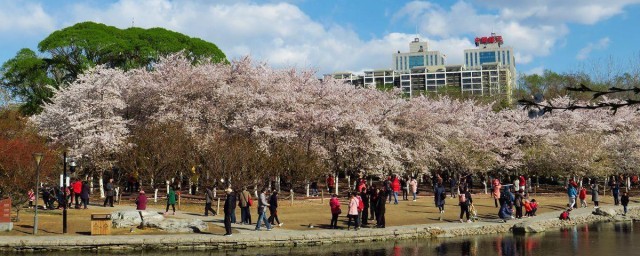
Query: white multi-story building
418,56
490,50
489,69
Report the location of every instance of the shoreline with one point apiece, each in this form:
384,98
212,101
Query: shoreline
291,238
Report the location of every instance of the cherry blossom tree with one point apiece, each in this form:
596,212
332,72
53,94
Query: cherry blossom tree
247,123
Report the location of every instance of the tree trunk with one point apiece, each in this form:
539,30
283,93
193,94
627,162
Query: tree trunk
307,182
18,214
484,183
337,179
580,184
91,186
155,195
167,183
117,190
255,190
101,181
349,181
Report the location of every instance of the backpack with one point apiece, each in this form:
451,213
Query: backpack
360,204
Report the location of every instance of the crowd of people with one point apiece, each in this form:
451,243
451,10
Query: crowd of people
366,203
77,193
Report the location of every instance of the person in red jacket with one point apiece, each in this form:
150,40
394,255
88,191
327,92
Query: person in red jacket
362,186
330,183
334,204
141,201
395,187
583,197
77,190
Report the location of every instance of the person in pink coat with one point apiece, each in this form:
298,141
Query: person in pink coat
352,214
413,186
496,190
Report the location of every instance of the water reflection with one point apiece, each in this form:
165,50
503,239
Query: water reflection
601,239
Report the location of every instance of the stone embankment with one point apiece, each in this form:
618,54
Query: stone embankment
281,238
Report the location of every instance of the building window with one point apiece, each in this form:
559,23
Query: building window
466,59
416,61
508,59
476,59
487,57
499,59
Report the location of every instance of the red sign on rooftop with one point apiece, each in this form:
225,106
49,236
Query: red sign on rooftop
489,40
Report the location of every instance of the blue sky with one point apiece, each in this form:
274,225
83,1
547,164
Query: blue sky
356,35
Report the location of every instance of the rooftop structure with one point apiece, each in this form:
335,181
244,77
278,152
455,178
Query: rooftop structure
418,56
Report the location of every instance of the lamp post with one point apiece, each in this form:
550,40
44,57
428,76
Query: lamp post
72,165
38,158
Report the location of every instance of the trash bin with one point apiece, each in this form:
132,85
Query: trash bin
100,224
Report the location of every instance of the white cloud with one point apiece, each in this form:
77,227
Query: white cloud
539,70
462,19
283,35
25,18
279,33
603,43
553,11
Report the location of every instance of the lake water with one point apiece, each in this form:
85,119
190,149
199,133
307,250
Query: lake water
602,239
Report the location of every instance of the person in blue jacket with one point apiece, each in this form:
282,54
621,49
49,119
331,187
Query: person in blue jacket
572,192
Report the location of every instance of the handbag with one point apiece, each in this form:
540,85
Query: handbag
250,201
339,211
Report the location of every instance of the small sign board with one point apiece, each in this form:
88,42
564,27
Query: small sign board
5,210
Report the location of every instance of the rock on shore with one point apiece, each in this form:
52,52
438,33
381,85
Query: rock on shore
131,218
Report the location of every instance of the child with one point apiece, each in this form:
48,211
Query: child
583,197
534,207
527,208
32,197
625,201
566,214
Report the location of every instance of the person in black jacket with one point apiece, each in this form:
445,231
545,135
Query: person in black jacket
373,201
84,195
625,201
365,211
380,208
229,205
273,209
